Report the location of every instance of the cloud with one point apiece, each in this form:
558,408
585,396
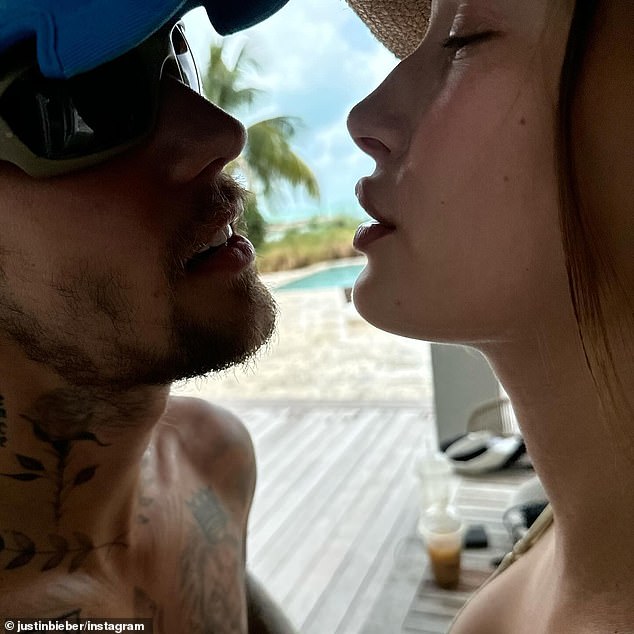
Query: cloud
316,59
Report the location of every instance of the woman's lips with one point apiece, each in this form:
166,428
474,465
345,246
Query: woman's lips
369,232
372,230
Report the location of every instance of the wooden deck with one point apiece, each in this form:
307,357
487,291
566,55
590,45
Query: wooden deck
333,527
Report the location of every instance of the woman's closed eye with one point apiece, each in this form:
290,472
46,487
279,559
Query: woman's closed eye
456,43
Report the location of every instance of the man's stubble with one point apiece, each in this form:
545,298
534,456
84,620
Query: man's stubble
93,340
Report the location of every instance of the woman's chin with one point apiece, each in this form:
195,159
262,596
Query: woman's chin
374,303
410,315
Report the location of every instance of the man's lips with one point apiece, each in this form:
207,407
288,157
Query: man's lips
216,233
219,239
233,256
206,241
216,205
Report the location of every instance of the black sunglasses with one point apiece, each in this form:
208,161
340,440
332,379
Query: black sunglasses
50,127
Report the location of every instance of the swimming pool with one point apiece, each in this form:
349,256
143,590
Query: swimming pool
335,276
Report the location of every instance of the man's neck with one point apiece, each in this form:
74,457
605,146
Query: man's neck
70,462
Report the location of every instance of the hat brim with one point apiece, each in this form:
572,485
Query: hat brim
398,24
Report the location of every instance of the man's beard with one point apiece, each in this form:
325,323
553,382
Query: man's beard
193,346
199,347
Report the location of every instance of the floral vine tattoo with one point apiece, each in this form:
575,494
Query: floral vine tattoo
60,447
59,429
24,550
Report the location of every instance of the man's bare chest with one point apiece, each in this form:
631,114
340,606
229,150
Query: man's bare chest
192,577
182,566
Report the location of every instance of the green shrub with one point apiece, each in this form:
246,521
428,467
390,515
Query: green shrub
319,240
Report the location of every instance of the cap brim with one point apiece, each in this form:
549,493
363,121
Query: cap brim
74,36
234,16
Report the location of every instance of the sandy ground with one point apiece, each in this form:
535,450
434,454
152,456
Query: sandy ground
324,350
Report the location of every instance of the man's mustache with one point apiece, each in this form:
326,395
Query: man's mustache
222,199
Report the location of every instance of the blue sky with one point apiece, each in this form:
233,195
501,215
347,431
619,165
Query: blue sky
316,59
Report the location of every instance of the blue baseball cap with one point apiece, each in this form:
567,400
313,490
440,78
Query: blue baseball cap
74,36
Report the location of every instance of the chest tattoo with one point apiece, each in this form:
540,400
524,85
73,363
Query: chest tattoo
211,568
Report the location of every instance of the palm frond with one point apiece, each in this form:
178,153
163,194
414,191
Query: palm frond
221,83
271,158
268,158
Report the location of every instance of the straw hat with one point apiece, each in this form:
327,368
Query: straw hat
399,24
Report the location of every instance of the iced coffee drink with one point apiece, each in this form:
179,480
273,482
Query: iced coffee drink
442,530
444,552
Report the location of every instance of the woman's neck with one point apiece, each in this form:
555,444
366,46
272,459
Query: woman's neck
587,473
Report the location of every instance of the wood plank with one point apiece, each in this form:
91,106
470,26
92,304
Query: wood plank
347,580
350,488
333,531
293,468
378,573
305,495
353,548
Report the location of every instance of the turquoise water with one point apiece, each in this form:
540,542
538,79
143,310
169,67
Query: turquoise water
332,277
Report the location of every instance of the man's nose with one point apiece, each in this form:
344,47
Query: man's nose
192,135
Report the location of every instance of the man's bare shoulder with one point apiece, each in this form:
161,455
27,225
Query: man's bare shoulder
197,420
213,441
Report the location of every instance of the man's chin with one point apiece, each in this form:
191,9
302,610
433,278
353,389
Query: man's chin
219,332
201,346
204,351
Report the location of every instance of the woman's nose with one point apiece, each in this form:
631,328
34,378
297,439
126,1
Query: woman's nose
377,126
192,134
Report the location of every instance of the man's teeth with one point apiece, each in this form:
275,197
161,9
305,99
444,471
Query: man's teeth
219,238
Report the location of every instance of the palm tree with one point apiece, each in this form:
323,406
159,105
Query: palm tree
268,158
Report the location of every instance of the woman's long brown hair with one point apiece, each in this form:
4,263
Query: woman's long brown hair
591,277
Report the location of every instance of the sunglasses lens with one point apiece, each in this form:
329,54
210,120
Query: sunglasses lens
185,60
110,106
81,116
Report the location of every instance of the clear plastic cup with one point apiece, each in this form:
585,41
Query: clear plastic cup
442,530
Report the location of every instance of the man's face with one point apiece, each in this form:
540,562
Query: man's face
97,280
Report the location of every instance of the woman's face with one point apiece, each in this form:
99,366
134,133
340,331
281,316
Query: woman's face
466,181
